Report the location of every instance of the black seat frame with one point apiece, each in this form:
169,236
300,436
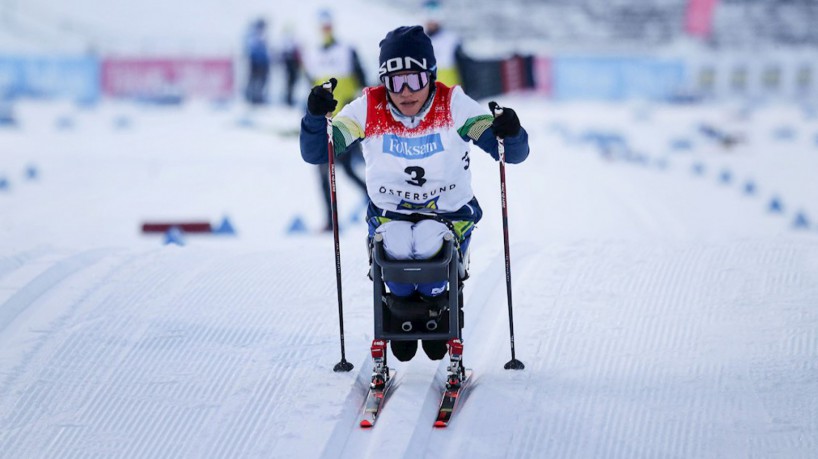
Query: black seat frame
445,265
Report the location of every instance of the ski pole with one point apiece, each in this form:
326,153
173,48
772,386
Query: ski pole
512,364
343,365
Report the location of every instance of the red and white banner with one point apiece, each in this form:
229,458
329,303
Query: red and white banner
542,75
513,74
137,77
699,17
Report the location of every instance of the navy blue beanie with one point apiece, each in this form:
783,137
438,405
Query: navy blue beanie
406,48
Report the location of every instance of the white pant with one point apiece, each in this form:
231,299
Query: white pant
404,240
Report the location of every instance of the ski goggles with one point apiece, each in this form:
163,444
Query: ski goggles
414,81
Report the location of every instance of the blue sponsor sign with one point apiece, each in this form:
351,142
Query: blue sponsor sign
616,78
74,77
412,147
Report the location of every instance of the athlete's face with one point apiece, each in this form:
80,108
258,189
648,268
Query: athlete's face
408,102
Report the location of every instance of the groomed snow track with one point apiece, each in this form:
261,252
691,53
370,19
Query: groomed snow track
631,349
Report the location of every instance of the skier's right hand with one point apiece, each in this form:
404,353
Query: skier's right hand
320,102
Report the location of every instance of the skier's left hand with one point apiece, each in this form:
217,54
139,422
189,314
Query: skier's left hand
506,124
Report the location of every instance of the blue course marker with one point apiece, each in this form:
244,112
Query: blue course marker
174,236
801,221
775,205
297,226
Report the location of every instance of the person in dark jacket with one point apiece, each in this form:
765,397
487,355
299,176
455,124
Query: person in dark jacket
258,57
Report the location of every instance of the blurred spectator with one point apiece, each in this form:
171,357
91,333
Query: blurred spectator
291,57
447,45
333,59
258,57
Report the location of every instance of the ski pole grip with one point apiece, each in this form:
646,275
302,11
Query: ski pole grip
495,108
330,84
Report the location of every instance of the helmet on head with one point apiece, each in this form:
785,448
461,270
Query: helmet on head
407,48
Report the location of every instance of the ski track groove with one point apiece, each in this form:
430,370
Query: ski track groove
644,327
25,410
598,367
282,378
11,263
46,280
349,440
131,379
201,334
148,392
114,411
488,326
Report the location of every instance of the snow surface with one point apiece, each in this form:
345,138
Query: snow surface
660,311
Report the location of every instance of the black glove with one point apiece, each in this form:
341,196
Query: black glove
320,101
506,123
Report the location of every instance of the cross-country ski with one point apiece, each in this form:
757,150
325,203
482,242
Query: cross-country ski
451,400
375,400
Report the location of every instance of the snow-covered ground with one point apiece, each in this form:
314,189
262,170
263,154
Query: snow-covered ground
661,309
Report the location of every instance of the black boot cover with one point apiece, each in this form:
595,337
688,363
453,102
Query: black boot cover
404,350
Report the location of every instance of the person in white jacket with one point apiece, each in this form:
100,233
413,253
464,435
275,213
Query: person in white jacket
447,44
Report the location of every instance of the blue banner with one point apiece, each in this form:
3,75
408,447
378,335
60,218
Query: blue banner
616,78
48,77
412,147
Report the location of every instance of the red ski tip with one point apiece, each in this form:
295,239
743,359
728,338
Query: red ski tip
440,424
366,424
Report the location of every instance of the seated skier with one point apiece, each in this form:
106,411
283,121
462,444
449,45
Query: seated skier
415,134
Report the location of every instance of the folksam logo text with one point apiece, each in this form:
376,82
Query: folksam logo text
412,147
